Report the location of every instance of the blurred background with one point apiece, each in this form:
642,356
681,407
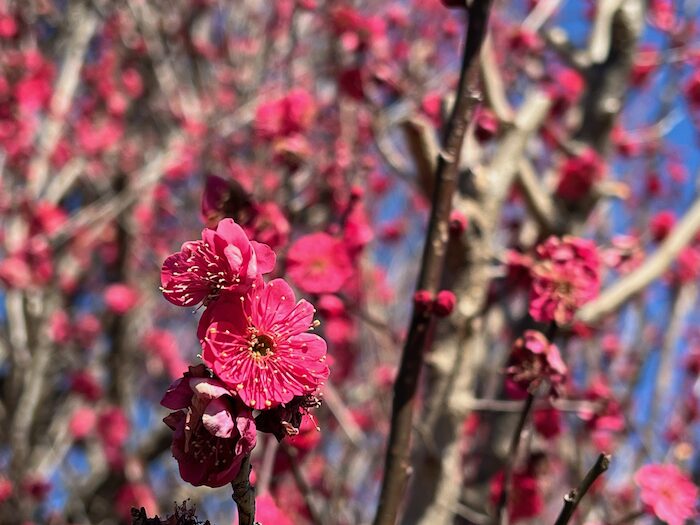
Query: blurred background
127,126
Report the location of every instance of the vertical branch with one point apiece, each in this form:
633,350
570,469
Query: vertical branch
397,466
84,21
501,514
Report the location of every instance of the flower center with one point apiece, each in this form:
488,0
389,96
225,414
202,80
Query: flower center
564,287
261,345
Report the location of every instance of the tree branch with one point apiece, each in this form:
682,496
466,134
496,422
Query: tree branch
84,21
423,147
398,454
572,499
655,265
244,494
501,513
540,204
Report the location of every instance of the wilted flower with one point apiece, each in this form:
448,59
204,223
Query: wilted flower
213,432
286,420
224,199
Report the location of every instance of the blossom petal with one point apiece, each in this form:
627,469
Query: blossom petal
217,419
178,395
266,258
248,435
206,388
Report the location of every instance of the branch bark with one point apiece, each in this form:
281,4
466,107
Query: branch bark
655,265
84,21
573,498
244,494
397,464
501,514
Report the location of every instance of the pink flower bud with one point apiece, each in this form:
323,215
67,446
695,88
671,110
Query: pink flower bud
120,298
661,224
458,223
82,422
423,300
444,303
356,192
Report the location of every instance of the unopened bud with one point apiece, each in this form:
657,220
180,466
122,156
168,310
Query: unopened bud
458,223
444,303
423,300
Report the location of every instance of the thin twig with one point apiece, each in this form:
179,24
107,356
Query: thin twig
539,202
572,499
302,484
501,514
335,404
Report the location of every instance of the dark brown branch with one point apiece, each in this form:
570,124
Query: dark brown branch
572,499
244,494
397,461
512,458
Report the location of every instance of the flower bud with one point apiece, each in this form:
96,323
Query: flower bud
444,303
423,300
458,223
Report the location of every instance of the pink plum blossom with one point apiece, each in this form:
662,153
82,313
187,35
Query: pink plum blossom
224,260
259,346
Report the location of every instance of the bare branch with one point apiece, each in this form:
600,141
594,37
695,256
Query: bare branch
423,146
506,161
84,21
654,266
406,385
599,44
493,83
572,499
539,202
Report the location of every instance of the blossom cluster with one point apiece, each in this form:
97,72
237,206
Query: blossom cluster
257,350
564,277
